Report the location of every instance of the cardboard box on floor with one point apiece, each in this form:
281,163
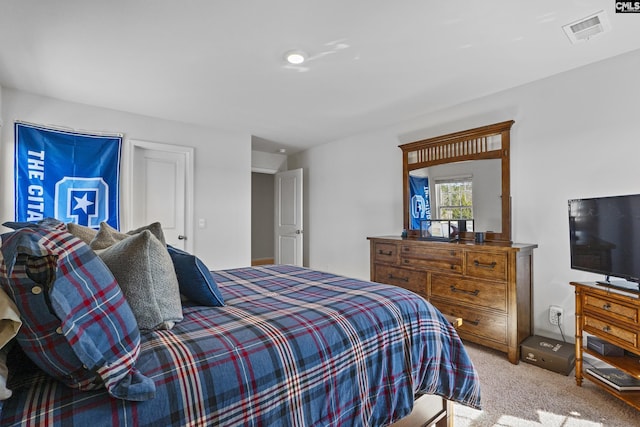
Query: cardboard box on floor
547,353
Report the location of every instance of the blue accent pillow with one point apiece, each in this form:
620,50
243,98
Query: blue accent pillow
76,324
194,279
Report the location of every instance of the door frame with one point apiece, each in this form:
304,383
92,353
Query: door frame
127,187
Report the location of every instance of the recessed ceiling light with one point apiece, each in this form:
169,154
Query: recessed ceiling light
282,150
295,57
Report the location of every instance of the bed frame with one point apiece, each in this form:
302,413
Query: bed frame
428,410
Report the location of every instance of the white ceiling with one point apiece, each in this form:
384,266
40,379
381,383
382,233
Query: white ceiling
219,63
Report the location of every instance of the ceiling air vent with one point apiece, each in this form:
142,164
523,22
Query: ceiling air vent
585,28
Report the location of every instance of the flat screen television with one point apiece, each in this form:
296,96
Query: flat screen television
604,237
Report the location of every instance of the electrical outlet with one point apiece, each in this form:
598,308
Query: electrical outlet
555,315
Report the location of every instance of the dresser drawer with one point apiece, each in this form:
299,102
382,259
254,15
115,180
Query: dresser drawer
485,294
486,265
610,331
385,252
483,325
415,281
610,308
449,260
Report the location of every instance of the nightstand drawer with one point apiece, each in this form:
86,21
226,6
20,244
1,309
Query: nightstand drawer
385,252
486,265
610,331
485,294
415,281
610,308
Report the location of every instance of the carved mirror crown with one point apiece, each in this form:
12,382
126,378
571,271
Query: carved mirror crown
487,142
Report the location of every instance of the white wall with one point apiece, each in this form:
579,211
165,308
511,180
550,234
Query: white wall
222,167
352,189
262,162
575,135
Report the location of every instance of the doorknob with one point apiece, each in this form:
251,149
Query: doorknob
181,237
298,231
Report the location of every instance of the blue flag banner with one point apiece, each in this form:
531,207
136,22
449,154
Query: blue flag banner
419,198
73,177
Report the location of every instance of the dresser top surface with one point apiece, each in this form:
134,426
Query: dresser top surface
465,243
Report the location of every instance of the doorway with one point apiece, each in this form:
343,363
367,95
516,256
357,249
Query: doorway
262,218
276,218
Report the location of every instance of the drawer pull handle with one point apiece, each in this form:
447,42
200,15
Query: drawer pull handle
463,291
404,279
453,253
479,264
606,328
388,253
607,307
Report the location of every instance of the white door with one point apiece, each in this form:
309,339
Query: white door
161,189
288,217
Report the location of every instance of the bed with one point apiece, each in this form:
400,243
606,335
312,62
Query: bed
290,346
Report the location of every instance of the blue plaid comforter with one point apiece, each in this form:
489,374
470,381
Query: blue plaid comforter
292,347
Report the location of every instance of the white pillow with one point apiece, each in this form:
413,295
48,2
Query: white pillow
5,393
9,318
9,324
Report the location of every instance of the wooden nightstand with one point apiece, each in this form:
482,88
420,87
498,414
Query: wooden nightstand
612,315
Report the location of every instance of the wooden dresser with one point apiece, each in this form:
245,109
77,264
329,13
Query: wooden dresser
487,285
613,316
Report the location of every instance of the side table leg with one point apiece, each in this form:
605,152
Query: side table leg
578,337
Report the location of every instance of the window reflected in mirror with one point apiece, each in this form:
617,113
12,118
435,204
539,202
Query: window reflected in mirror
454,198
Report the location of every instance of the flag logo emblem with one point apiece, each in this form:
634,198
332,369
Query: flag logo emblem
84,201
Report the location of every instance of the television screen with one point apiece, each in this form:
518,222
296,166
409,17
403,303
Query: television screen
605,236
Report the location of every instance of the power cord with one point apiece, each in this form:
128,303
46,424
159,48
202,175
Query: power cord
558,315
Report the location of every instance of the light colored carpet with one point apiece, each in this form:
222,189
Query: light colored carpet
529,396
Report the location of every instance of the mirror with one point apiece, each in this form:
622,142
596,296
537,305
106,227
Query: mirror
476,160
485,178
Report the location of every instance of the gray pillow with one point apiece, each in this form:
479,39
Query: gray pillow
155,228
144,270
108,236
86,234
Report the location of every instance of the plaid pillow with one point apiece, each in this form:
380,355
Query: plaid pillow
48,222
77,325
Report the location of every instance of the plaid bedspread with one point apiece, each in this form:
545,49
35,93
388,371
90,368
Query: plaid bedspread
292,347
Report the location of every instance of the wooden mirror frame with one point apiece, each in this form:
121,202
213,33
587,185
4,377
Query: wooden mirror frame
472,144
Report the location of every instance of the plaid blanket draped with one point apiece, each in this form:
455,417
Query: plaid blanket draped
292,347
